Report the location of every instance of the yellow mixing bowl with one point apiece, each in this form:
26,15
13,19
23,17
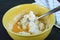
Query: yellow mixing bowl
10,14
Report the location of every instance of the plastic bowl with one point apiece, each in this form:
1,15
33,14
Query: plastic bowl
10,14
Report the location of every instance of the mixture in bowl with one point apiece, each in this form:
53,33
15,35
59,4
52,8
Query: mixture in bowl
27,25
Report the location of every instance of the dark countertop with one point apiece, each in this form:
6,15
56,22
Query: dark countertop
7,4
